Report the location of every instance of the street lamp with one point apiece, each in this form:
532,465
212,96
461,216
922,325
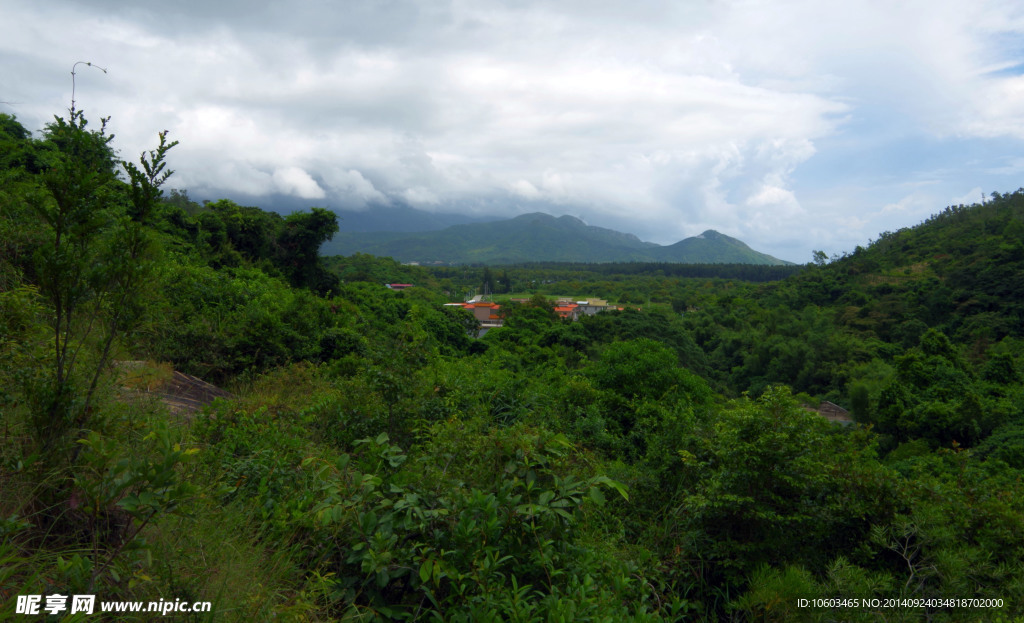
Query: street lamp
87,64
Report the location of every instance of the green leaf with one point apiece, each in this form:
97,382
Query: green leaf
369,521
618,486
561,440
129,503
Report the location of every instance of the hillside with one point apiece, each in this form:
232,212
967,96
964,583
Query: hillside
960,271
542,237
914,332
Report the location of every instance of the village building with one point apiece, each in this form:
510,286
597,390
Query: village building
592,306
570,311
488,314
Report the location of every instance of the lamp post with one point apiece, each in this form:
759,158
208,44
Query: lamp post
87,64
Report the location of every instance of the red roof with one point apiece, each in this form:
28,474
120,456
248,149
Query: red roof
482,305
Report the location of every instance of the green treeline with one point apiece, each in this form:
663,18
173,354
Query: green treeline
374,462
746,272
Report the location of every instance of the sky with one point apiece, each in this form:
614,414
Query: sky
792,125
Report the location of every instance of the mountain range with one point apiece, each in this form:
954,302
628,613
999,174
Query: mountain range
539,237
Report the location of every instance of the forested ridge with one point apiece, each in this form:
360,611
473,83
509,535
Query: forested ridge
372,461
541,237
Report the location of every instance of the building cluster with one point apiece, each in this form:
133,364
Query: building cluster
568,308
490,315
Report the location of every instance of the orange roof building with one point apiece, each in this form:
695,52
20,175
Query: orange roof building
568,311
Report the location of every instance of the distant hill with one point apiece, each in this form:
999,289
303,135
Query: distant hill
539,237
712,247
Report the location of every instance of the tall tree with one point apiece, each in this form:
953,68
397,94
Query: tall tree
299,243
487,281
97,258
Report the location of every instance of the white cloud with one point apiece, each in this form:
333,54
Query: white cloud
351,183
232,177
525,189
775,197
420,196
915,203
975,195
853,222
295,181
998,110
662,119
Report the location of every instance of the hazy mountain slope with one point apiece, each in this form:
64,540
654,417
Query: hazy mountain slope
375,218
541,237
400,219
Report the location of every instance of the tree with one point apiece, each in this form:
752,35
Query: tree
299,248
933,396
860,402
773,484
487,282
640,368
96,260
16,146
644,390
250,230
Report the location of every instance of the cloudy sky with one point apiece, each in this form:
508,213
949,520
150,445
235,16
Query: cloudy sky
792,125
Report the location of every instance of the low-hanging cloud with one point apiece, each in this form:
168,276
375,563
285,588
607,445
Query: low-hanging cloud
296,182
792,126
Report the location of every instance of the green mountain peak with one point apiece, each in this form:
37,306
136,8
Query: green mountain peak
537,236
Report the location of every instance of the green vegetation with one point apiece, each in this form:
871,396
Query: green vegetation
373,462
542,237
